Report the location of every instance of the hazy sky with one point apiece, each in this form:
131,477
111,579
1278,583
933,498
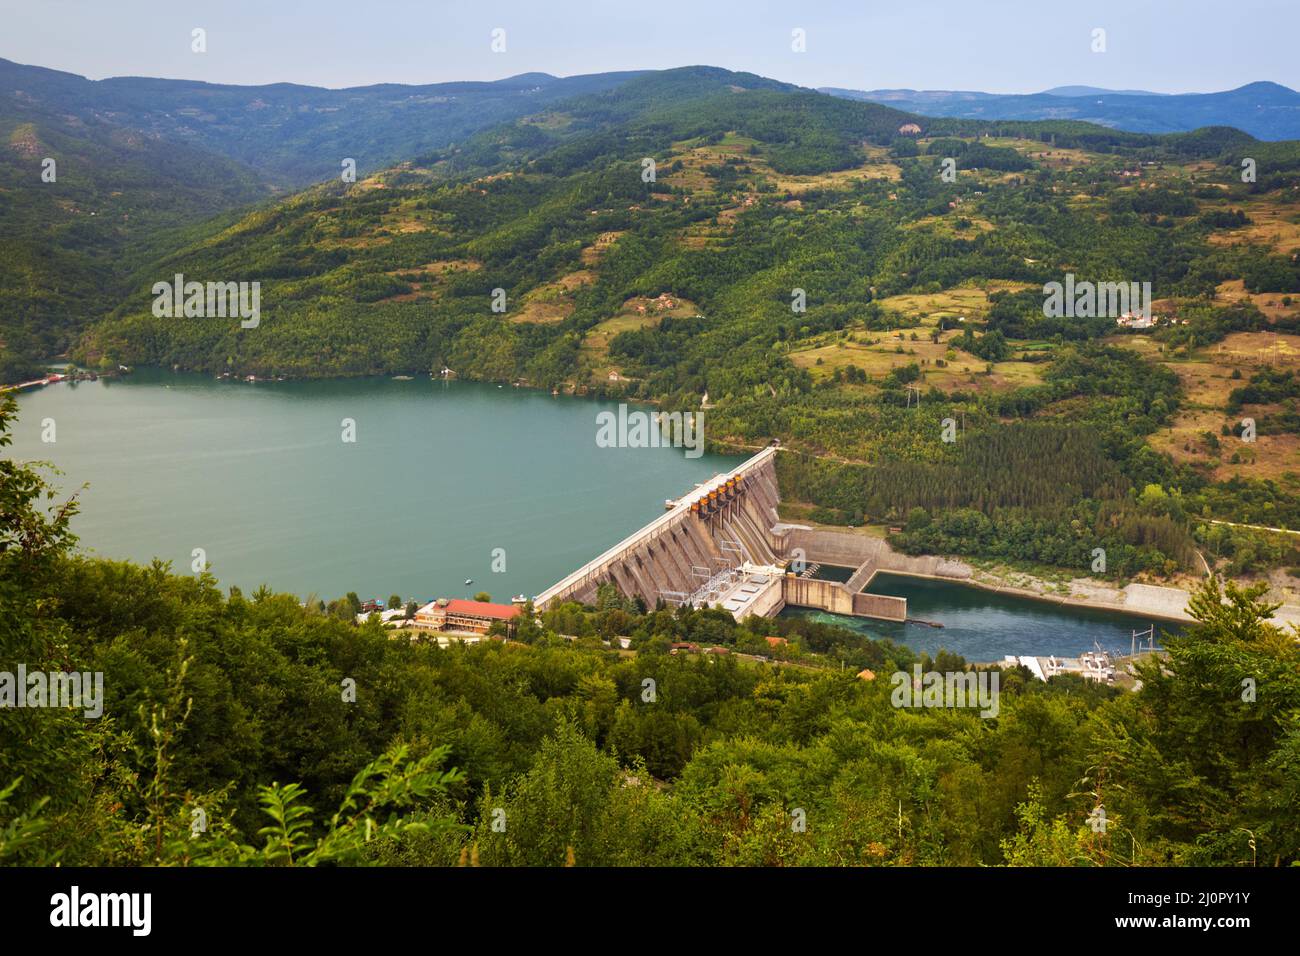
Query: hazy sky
994,45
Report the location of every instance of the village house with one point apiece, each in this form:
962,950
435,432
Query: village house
1135,320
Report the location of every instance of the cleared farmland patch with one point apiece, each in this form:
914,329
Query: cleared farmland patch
553,301
1196,434
593,253
942,366
638,312
1273,223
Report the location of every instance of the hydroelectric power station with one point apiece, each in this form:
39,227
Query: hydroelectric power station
724,545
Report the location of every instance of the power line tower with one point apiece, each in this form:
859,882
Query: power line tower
1149,634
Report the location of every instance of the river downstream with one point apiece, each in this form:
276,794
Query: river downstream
984,625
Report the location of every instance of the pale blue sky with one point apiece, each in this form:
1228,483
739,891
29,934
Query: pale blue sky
993,45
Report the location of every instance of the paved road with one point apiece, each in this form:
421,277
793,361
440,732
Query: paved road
1257,527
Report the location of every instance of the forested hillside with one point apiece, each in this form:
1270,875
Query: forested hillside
234,727
114,199
139,162
839,275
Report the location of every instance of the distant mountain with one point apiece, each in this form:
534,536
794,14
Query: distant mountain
293,135
1265,110
1096,91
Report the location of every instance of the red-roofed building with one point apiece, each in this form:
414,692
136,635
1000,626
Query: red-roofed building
471,617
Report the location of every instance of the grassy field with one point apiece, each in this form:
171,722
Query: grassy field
553,301
1272,304
696,156
1054,157
426,280
1271,223
877,353
946,226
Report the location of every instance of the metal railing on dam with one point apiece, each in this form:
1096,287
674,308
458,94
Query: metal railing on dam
624,562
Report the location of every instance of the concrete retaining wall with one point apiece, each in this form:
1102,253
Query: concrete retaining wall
881,606
833,547
833,597
850,550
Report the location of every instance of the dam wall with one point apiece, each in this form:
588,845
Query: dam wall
723,545
815,593
883,607
672,557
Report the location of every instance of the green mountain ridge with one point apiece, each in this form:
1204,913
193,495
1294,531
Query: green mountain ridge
588,148
292,135
180,156
143,161
346,260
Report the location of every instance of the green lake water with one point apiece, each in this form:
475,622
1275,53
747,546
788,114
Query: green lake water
440,475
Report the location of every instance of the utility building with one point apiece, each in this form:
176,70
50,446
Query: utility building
465,617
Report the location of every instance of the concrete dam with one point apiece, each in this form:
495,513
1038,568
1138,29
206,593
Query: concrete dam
724,545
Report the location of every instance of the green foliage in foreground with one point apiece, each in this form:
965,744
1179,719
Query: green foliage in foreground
229,736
